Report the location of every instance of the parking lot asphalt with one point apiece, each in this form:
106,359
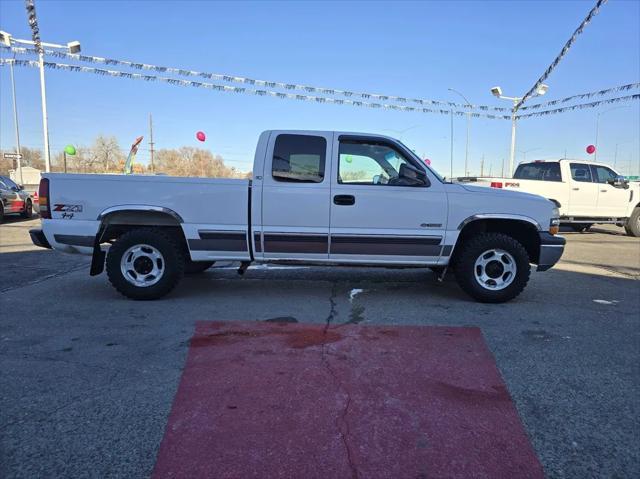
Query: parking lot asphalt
88,378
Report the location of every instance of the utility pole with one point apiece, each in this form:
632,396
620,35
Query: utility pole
153,169
482,166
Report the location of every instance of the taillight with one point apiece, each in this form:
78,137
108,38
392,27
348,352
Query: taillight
43,198
496,184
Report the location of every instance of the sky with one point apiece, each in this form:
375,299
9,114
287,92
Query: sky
413,49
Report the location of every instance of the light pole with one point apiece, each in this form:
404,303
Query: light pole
15,121
524,152
598,115
401,132
497,92
71,47
466,148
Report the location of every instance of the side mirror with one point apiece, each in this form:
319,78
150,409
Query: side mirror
413,176
20,187
619,182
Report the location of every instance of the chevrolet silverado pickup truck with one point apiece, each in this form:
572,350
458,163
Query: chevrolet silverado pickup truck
316,197
586,192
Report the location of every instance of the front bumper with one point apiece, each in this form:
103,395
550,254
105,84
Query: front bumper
39,239
551,249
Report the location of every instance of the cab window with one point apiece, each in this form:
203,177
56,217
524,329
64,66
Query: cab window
299,158
544,171
580,172
370,163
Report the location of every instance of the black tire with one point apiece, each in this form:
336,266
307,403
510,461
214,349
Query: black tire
28,209
632,226
196,267
473,249
1,212
172,263
580,227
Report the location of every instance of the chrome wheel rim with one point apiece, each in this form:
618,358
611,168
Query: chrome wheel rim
142,265
495,269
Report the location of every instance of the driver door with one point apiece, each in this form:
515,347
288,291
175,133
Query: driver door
612,201
376,217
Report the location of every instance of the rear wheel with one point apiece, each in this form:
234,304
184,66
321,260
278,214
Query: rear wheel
1,212
632,226
145,264
195,267
492,267
28,209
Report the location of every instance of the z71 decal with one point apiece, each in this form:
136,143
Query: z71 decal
67,210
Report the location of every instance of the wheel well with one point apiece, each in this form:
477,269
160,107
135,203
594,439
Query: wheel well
522,231
117,223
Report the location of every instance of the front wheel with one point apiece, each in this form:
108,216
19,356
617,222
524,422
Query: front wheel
581,227
632,226
145,264
492,267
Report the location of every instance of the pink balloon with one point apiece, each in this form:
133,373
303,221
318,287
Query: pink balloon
591,149
427,161
201,136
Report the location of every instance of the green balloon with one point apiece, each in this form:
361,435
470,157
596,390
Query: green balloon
70,150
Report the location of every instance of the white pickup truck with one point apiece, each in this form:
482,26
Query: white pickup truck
586,192
315,197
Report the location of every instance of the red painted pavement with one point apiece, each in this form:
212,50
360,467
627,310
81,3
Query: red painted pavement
265,400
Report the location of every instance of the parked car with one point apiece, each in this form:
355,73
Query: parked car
586,192
14,199
315,197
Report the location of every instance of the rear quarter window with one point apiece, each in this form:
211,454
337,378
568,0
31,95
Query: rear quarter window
299,158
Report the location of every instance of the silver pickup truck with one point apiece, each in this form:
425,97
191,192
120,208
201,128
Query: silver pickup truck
316,197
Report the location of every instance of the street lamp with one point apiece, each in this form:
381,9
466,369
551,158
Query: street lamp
466,148
72,47
598,115
524,152
497,92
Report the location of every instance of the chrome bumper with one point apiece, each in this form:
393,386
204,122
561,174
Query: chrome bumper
551,249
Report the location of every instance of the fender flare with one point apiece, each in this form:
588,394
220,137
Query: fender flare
98,256
498,216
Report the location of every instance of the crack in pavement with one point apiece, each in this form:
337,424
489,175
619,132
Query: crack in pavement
341,421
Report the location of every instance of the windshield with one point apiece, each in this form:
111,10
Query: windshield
547,171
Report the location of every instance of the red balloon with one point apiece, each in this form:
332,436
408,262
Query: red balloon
201,136
427,161
591,149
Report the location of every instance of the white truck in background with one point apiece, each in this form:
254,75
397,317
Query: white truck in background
317,197
586,192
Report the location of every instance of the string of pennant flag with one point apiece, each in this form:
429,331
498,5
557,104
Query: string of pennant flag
251,81
582,96
343,101
565,49
247,91
582,106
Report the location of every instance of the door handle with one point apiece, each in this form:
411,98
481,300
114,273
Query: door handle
603,191
575,189
344,200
